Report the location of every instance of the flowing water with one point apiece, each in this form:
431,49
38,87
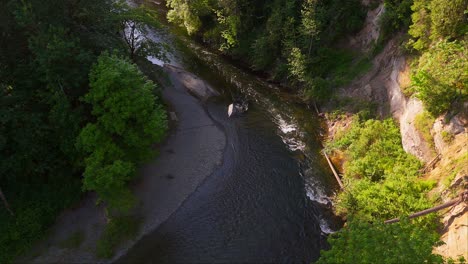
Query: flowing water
268,202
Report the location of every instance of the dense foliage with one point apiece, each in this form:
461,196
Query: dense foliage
382,183
127,122
397,17
441,77
47,49
380,177
289,39
438,32
361,242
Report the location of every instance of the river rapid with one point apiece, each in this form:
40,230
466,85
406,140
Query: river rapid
269,200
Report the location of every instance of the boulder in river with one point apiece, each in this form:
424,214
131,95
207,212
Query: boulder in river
238,107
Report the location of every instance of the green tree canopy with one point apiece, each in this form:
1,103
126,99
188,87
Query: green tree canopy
441,76
127,122
360,242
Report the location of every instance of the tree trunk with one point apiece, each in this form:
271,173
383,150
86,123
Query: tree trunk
462,198
5,202
310,48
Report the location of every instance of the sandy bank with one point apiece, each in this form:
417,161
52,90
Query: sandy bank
190,154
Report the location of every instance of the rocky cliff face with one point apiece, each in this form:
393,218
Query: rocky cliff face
383,86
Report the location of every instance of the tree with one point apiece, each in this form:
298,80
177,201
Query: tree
297,64
310,22
449,18
420,28
127,122
435,20
135,23
441,76
188,14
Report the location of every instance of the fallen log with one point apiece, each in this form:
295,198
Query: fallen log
333,170
462,198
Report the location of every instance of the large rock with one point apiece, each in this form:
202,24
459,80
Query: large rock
405,111
365,39
193,83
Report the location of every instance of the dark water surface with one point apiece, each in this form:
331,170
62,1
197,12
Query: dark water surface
254,209
268,202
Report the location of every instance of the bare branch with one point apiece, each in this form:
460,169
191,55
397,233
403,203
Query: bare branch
5,202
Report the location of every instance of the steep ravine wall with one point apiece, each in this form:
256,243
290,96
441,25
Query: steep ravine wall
383,86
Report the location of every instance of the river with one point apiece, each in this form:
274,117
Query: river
269,201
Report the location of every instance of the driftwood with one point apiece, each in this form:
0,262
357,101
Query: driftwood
5,202
462,198
333,170
326,156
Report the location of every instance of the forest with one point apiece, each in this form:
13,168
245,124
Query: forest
300,43
77,115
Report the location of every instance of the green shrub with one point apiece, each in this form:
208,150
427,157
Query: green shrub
374,148
397,17
440,77
448,19
403,242
392,197
447,136
317,89
380,177
381,182
423,123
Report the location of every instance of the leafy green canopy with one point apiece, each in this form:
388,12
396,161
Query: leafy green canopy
434,20
381,183
381,178
286,38
360,242
441,76
438,31
47,49
127,122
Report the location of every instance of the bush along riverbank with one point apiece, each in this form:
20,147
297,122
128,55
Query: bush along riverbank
381,182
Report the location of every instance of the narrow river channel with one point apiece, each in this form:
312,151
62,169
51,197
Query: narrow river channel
268,202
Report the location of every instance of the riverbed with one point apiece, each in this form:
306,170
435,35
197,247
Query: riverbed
269,200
